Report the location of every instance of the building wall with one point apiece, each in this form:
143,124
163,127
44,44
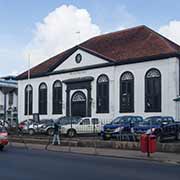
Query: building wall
169,75
169,86
15,100
14,105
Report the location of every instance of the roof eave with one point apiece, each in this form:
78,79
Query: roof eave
125,61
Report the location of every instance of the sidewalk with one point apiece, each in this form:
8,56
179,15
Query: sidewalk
116,153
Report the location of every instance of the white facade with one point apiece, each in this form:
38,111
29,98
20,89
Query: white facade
169,69
8,98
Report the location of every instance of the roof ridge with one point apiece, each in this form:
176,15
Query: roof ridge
114,32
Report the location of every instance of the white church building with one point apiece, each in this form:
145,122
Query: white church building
130,72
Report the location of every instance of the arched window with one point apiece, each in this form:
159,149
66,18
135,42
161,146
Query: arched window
127,92
153,91
102,94
43,98
57,97
28,100
78,97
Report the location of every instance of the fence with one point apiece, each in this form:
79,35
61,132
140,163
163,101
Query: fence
87,133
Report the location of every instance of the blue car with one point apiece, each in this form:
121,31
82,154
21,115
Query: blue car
152,123
121,124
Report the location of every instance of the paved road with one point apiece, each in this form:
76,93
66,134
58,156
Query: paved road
20,164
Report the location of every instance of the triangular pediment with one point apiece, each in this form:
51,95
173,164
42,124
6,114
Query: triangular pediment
79,59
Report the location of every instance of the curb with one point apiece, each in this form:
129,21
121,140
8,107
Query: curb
123,145
100,155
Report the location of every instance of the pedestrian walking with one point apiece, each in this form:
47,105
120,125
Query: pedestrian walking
56,139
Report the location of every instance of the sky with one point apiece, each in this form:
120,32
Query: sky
41,29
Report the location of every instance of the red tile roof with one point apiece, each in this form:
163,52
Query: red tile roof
130,44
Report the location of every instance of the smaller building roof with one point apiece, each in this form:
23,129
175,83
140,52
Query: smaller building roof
8,82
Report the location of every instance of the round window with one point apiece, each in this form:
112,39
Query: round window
78,58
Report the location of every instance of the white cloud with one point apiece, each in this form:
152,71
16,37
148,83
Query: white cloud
171,31
58,31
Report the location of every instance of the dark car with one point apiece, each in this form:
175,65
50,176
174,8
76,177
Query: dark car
153,122
121,124
160,126
166,131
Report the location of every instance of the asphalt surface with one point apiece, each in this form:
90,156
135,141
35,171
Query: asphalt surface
22,164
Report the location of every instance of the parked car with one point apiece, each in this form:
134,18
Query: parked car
86,125
160,126
49,128
121,124
153,122
23,126
39,127
67,120
3,137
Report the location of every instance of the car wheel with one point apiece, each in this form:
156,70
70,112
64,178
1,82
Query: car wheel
50,131
1,148
71,133
31,132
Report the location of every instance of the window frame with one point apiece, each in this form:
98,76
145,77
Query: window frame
128,108
57,102
43,103
30,100
103,87
153,96
85,120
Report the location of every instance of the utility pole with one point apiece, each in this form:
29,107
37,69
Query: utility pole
5,105
79,38
28,89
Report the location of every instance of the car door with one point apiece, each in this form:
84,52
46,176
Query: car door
84,127
96,125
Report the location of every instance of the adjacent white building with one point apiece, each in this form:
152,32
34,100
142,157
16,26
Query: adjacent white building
8,98
129,72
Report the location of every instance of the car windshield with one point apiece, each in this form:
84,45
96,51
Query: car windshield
152,121
75,121
120,120
46,121
68,120
158,120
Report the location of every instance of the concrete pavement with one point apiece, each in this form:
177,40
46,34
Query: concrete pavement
118,153
173,147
